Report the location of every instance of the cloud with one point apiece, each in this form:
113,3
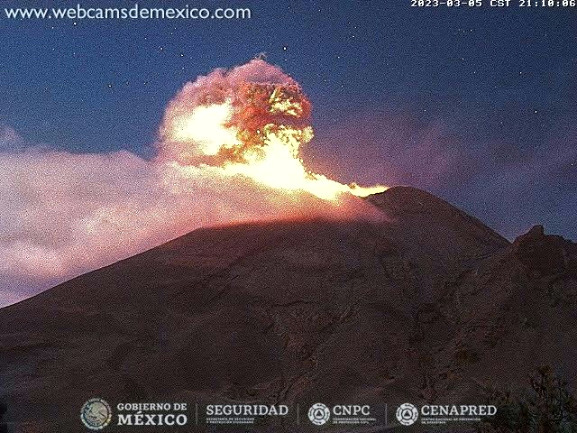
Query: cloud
9,139
63,214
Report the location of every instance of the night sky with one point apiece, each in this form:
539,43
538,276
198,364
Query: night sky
477,106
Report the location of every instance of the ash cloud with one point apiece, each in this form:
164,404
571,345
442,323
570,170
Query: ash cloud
218,87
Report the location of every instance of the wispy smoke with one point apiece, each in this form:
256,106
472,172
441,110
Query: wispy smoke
507,185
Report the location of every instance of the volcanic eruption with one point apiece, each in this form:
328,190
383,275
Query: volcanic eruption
251,120
342,308
228,151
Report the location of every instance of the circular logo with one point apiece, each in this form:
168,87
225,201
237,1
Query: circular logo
319,414
407,414
96,414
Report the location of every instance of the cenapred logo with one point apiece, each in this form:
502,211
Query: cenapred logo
407,414
96,414
319,414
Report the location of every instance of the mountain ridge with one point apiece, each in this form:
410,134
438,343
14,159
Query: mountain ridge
413,309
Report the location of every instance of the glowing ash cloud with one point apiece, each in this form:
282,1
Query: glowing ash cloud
250,121
228,153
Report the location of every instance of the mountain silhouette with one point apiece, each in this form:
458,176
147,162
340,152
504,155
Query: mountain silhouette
424,307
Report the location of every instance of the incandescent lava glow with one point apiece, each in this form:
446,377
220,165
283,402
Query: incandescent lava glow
249,121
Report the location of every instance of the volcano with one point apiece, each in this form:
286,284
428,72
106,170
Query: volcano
424,307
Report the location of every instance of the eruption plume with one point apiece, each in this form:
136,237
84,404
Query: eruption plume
228,153
252,121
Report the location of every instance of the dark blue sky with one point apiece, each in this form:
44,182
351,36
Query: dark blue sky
475,105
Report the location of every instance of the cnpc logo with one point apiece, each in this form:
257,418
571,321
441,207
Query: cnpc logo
320,414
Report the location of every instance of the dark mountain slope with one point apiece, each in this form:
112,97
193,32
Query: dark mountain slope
419,308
